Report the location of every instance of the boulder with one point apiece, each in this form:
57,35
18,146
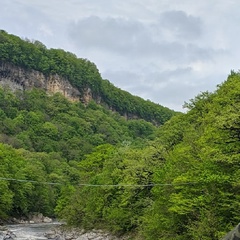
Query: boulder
50,235
47,220
3,228
9,236
234,234
38,218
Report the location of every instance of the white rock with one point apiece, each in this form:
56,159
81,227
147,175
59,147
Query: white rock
47,220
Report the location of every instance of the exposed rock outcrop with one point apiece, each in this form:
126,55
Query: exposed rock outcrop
87,96
234,234
17,78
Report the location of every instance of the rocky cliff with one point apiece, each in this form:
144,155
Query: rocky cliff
17,78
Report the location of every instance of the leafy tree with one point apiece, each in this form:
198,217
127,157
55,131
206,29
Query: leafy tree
81,73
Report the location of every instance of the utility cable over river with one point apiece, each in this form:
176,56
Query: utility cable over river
103,185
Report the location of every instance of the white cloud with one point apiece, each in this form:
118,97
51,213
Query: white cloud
178,24
166,51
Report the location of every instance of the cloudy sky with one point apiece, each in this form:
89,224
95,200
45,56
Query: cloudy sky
166,51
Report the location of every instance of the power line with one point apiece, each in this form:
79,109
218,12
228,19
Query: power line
136,185
103,185
31,181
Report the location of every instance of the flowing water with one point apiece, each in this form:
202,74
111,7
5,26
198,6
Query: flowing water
31,231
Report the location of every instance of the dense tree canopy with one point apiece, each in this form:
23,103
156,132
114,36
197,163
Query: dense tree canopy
177,181
44,137
183,185
81,73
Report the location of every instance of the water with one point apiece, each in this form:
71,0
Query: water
31,231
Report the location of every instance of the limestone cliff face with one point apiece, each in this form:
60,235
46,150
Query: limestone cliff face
86,96
17,78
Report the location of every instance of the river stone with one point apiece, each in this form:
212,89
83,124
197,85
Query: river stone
50,235
234,234
9,236
3,228
60,233
47,220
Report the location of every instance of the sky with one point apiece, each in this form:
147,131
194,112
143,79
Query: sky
166,51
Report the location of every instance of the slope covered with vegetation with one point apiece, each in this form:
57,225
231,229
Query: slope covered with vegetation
183,185
81,73
177,181
51,136
43,138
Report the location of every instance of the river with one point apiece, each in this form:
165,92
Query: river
31,231
37,231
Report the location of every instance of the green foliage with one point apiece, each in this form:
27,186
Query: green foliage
133,106
116,205
205,158
108,166
44,123
81,73
56,135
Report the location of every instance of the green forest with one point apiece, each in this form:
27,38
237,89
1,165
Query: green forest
81,73
165,175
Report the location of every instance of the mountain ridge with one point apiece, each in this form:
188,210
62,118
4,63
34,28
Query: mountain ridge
76,78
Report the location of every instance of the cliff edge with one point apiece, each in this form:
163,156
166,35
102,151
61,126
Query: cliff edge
18,78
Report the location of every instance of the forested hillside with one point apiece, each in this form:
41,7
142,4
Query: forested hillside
44,138
184,185
82,74
95,169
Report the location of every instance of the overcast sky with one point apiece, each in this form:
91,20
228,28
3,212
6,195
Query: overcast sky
167,51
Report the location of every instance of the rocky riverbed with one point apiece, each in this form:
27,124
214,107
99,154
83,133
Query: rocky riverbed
51,231
60,233
38,227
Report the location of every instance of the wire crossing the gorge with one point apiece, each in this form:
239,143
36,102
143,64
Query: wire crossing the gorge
31,181
136,185
102,185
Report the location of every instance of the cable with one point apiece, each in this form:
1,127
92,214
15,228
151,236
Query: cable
136,185
31,181
103,185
